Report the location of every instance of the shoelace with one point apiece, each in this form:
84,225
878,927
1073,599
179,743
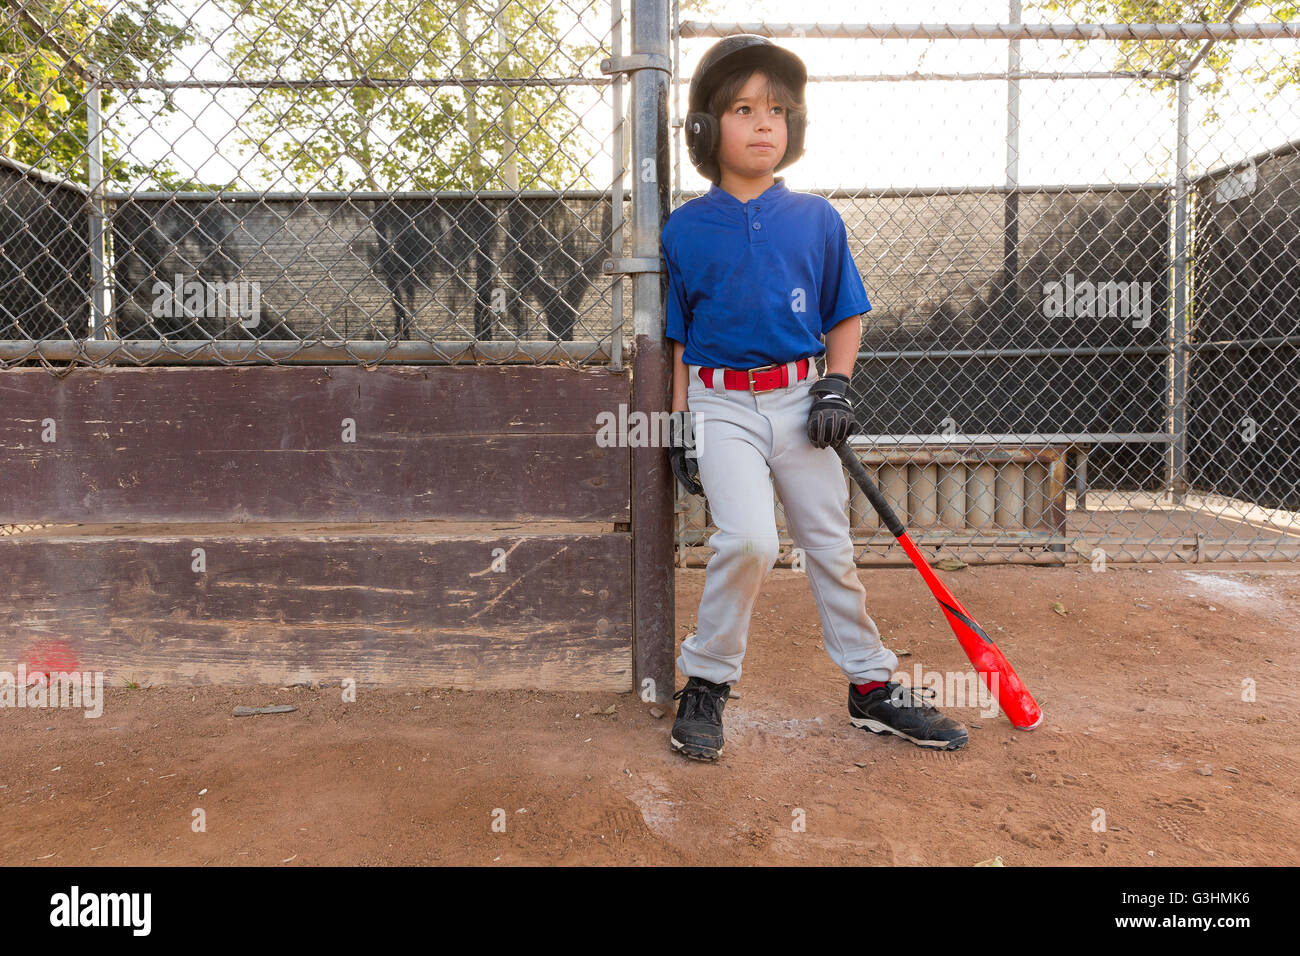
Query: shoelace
920,696
703,701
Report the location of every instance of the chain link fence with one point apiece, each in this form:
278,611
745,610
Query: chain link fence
1078,235
256,181
1077,231
1244,374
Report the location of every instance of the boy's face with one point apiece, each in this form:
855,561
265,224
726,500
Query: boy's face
753,119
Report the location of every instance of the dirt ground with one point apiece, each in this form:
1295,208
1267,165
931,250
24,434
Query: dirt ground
1142,680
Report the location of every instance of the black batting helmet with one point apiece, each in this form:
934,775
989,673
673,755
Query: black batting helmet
742,51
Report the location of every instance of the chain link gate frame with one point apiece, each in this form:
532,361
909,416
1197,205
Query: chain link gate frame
544,270
466,219
985,486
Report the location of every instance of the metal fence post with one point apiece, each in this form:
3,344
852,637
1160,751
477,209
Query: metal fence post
1011,209
616,191
95,178
1178,409
654,619
1178,413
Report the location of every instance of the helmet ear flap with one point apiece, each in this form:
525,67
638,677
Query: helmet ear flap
796,126
702,137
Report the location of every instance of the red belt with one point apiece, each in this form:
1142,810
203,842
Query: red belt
755,379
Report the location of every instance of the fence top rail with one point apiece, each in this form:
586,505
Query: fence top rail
837,192
1013,439
366,196
363,82
908,192
999,31
293,351
987,75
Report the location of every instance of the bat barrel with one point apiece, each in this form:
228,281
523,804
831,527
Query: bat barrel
994,669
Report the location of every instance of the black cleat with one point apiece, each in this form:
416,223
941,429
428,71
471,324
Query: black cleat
904,711
697,731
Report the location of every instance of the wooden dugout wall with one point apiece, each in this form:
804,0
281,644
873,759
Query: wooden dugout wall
438,526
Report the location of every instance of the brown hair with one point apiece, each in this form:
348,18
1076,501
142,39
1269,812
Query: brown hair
777,89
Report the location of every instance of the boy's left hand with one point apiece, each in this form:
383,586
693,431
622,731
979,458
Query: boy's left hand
684,465
831,420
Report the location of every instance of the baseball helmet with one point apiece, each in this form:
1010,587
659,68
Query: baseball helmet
742,51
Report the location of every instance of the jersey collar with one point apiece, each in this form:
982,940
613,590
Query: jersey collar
719,195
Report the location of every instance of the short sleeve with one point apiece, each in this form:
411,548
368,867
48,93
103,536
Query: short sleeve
842,293
678,312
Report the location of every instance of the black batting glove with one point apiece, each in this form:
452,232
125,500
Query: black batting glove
831,420
685,467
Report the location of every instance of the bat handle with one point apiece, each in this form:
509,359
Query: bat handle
859,473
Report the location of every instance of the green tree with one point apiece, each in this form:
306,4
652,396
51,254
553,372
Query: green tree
48,51
388,137
1224,61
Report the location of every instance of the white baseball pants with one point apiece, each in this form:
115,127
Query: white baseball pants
749,443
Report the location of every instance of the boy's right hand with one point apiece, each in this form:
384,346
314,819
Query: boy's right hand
685,466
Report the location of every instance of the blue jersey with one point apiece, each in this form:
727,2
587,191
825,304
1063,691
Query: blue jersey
759,282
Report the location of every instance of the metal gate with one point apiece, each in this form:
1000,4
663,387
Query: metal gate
309,317
1079,240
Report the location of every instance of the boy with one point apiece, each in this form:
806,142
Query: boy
757,274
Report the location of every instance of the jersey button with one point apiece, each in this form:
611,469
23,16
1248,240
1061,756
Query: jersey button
758,225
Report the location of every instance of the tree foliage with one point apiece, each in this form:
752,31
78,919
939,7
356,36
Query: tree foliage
1225,60
49,51
389,138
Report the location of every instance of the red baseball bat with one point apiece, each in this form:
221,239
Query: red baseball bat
994,669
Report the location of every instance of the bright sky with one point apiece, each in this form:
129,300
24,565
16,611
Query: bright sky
875,133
